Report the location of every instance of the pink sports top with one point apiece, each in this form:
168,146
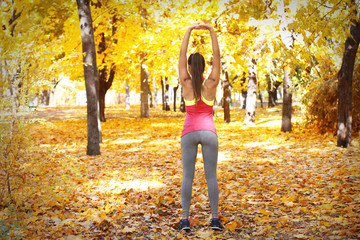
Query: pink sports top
199,116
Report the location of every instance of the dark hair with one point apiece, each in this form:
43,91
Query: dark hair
197,63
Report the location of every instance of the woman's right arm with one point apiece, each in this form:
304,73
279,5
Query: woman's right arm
216,64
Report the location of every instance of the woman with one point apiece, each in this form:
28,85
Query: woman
199,127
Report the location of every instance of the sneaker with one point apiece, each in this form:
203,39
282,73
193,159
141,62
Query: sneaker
216,224
185,225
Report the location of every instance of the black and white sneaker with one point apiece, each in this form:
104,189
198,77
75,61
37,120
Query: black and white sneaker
185,225
216,224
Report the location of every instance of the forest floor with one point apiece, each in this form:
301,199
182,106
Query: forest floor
273,185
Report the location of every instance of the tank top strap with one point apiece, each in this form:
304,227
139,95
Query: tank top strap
189,103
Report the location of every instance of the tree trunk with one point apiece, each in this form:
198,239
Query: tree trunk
288,41
91,77
102,79
127,96
251,94
260,96
182,103
252,82
45,97
272,91
345,76
144,109
226,96
144,85
167,93
104,85
150,95
175,90
287,101
162,94
104,82
155,93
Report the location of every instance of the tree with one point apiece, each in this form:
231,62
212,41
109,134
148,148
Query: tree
252,73
345,76
182,103
127,96
251,93
288,42
144,85
272,90
175,90
226,93
167,94
155,92
91,77
162,93
287,101
106,76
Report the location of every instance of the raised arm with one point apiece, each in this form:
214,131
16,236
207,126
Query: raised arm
216,67
183,72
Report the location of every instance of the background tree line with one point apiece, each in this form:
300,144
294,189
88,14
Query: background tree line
307,46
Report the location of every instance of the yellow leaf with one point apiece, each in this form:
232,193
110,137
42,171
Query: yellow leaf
326,224
243,189
232,225
204,234
289,204
300,236
128,230
265,212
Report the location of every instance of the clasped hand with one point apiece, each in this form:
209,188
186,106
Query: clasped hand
203,26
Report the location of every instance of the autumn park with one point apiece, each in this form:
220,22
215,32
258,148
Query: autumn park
93,107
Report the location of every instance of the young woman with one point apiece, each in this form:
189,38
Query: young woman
199,128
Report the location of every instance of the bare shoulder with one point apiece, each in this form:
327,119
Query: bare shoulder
187,83
210,83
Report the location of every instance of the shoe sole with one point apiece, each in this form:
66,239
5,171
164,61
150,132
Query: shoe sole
187,229
216,228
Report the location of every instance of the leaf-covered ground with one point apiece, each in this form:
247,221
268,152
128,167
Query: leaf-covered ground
273,185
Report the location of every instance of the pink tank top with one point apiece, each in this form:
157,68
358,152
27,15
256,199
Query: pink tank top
199,117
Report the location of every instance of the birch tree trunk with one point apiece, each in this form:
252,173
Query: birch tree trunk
127,96
251,94
167,95
252,81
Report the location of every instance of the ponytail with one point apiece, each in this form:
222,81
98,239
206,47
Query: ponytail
197,63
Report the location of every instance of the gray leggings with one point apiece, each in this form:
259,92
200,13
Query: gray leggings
189,149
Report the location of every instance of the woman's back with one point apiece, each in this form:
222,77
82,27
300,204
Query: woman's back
208,90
